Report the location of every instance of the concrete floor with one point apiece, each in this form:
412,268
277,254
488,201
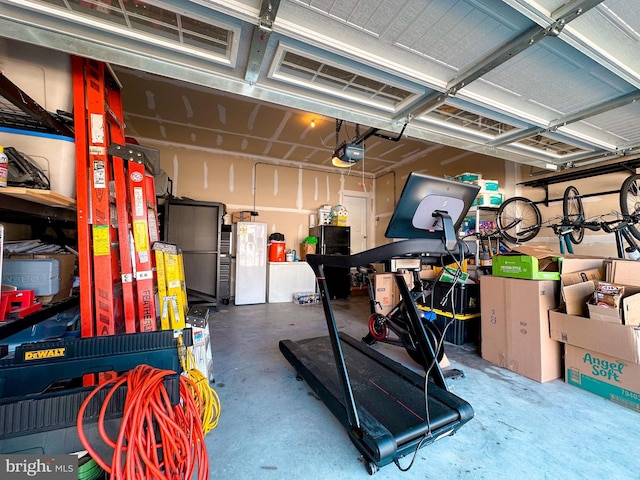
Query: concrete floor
274,427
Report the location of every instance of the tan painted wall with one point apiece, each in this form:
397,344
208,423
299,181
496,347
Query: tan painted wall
597,201
286,195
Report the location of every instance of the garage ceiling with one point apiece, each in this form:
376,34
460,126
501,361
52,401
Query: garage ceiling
548,83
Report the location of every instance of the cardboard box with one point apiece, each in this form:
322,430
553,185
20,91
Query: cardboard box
580,276
475,272
613,309
427,272
605,375
631,310
515,327
306,249
387,295
577,277
620,341
576,298
529,263
384,284
243,216
408,278
580,263
605,314
202,351
626,272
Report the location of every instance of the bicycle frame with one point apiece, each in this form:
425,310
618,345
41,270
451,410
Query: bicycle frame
620,227
395,321
570,230
564,237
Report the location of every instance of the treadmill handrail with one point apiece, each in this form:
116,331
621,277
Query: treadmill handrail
428,247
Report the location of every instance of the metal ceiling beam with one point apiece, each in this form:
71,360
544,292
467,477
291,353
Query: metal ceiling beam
424,104
573,9
620,101
515,136
568,119
260,39
562,16
180,66
529,37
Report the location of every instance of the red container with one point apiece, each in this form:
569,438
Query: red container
276,251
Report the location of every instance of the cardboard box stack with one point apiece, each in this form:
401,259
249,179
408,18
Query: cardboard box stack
599,323
514,326
515,303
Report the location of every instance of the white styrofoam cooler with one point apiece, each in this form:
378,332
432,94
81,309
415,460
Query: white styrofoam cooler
45,76
55,155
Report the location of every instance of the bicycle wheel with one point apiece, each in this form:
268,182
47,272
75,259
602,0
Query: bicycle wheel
518,219
630,202
573,213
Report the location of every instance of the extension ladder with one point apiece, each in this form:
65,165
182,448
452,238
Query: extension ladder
117,211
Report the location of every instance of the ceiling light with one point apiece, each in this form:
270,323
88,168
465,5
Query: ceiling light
313,123
347,155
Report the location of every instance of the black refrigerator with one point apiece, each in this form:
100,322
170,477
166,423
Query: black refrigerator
334,240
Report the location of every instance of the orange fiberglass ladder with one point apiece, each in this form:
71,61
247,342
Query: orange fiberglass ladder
117,212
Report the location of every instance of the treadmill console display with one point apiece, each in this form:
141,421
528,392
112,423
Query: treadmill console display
424,195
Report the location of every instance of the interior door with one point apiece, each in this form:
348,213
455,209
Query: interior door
357,204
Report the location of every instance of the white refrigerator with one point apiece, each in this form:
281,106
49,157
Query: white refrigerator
251,263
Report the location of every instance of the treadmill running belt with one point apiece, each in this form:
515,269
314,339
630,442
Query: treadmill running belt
387,394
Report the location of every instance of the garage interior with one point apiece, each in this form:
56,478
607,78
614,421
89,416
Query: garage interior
244,103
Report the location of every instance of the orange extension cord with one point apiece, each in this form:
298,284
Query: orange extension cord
151,426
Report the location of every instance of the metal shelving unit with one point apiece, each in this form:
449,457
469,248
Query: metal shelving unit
37,208
479,212
602,168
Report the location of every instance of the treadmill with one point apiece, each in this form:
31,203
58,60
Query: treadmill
388,410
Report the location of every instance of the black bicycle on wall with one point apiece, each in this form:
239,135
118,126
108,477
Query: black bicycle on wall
519,220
